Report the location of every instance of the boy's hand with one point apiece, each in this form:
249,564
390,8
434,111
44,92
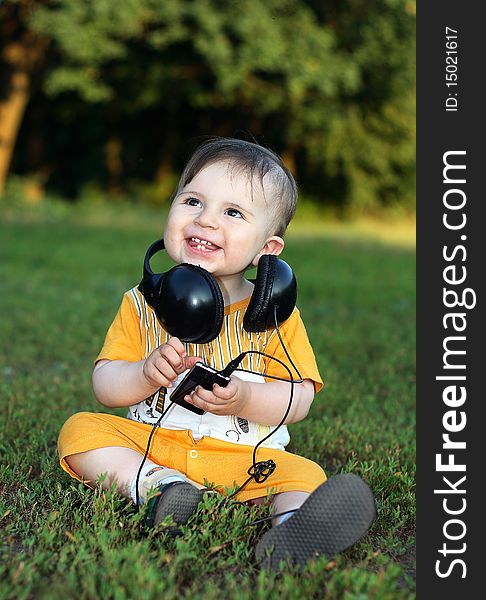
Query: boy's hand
166,362
229,400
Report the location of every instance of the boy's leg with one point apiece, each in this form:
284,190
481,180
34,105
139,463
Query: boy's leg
121,466
119,463
287,501
94,444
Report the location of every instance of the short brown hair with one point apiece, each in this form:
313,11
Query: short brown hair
253,159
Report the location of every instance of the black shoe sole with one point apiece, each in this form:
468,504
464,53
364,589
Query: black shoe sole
177,499
335,516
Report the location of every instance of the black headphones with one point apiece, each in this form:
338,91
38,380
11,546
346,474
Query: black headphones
189,304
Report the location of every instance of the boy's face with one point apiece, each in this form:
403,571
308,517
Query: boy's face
217,223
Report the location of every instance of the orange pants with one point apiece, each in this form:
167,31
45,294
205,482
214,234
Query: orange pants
220,463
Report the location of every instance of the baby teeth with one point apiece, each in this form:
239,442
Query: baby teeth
199,242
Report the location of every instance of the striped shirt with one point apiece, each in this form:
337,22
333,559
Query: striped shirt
136,332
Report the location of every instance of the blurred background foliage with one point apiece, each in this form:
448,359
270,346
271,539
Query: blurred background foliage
111,97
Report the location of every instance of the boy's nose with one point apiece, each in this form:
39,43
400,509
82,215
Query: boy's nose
206,219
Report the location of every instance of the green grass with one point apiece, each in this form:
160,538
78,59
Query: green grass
61,281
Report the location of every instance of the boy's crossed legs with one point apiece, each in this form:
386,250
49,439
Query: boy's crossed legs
328,520
336,515
121,465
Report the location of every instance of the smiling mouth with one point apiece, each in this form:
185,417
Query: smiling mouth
202,245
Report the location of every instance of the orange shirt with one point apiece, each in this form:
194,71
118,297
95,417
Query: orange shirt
136,332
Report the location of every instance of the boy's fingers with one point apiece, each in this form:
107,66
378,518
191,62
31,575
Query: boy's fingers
178,346
207,396
195,399
164,367
170,354
157,377
224,392
190,361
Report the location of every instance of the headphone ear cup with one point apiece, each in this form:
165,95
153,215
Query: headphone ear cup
187,300
150,288
190,304
275,286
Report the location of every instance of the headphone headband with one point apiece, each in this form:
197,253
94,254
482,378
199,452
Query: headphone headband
153,249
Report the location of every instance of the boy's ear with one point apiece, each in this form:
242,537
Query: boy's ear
273,245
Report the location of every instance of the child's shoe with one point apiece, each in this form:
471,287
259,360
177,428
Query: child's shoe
175,495
335,516
177,499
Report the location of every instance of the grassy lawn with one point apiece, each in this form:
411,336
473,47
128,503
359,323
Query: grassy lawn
61,281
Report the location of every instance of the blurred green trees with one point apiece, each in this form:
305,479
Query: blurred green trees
124,91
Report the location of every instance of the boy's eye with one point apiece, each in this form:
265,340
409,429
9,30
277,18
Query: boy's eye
232,212
192,201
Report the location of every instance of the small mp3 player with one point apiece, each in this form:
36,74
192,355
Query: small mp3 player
202,375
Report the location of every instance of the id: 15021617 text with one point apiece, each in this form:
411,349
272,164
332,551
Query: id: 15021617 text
451,75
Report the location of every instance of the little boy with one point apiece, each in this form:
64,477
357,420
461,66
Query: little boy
232,205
